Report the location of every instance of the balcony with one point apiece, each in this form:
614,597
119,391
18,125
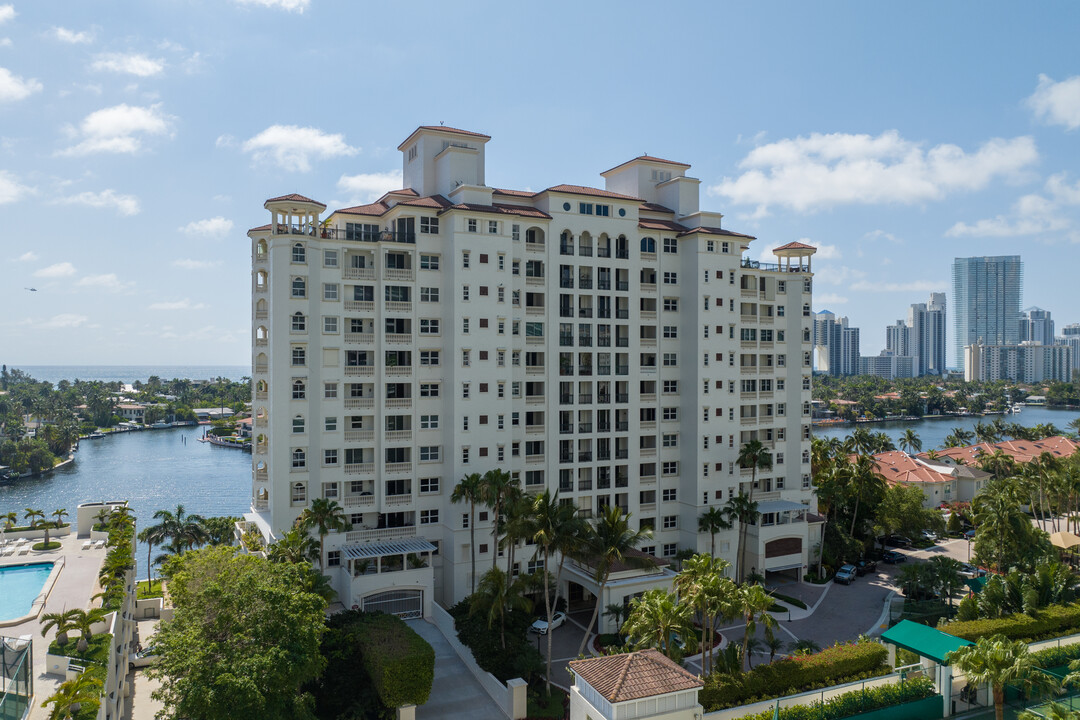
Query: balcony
622,370
585,399
752,420
585,370
359,435
261,342
400,274
622,453
566,283
566,340
262,367
534,369
261,394
647,452
647,507
622,314
351,273
261,423
359,370
534,459
359,468
566,457
647,425
566,399
534,280
360,338
359,402
584,457
603,398
364,306
648,287
648,342
585,312
261,314
397,533
358,501
565,249
603,369
398,468
747,369
584,427
395,306
398,338
622,285
392,500
399,371
648,314
585,283
622,398
647,397
566,428
399,403
603,284
262,475
398,435
534,309
534,429
534,340
647,479
535,247
534,399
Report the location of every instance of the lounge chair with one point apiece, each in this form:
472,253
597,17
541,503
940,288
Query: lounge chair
86,545
99,544
24,550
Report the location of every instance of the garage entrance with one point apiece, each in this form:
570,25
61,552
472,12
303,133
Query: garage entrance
406,604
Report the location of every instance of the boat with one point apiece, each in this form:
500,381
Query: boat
1017,408
229,441
95,436
160,426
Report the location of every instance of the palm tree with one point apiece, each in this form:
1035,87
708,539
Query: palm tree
946,575
775,645
184,531
556,529
997,662
987,433
617,612
702,584
744,510
753,603
294,547
495,489
73,696
32,517
999,463
518,525
656,619
60,515
806,646
713,521
153,535
495,596
1055,711
910,442
608,542
9,519
470,489
324,516
959,437
755,456
83,621
864,478
62,621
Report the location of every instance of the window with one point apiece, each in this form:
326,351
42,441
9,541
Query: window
299,390
483,288
672,304
670,494
671,549
430,453
429,422
465,361
670,522
671,360
299,323
298,424
299,356
648,245
465,257
429,326
465,392
470,225
465,326
429,358
493,227
330,424
671,245
299,255
429,225
671,332
429,262
429,486
429,517
806,383
299,458
333,558
330,457
330,324
465,456
671,278
671,386
429,390
670,468
299,287
502,292
465,521
464,292
585,208
670,440
299,493
429,294
330,292
671,413
330,391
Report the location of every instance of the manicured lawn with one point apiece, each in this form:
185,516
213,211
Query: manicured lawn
155,590
548,707
97,652
53,545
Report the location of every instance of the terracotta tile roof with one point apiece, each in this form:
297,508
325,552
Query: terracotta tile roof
671,225
648,158
512,193
294,197
796,246
655,207
432,201
583,190
717,231
498,209
403,191
453,130
261,228
632,676
1022,451
376,209
896,466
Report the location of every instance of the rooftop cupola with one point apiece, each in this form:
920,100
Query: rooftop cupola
436,160
293,214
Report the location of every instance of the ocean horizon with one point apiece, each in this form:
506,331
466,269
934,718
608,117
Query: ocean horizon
131,373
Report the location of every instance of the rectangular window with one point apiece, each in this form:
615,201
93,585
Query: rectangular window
585,208
429,262
429,225
429,326
333,558
429,422
429,358
330,457
470,225
671,245
671,332
429,390
330,324
429,486
493,227
429,517
330,258
671,360
671,413
430,453
330,292
429,294
330,424
671,522
330,391
670,494
670,440
672,304
299,356
671,278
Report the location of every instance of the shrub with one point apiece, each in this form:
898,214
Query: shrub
1049,622
400,662
832,666
53,545
1052,657
855,702
519,658
789,600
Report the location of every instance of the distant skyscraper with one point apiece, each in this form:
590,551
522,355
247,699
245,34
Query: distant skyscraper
1037,326
921,338
836,346
986,295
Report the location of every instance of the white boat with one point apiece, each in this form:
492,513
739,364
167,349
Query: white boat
160,425
1017,407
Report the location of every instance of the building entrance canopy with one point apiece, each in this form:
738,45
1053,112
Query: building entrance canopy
404,546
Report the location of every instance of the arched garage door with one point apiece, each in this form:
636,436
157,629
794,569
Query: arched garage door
406,604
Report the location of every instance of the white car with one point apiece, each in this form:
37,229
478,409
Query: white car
541,624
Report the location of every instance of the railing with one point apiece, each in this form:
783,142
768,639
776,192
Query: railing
405,274
261,314
261,394
398,338
398,402
566,428
396,306
358,500
647,452
535,247
648,287
360,338
359,435
398,499
648,314
359,468
370,535
585,399
534,429
622,285
330,233
534,459
399,467
261,367
359,370
262,475
294,229
351,273
534,340
566,249
534,309
534,280
770,267
359,402
398,435
534,369
585,250
367,306
399,371
647,397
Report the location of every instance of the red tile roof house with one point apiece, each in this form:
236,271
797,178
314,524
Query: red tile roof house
633,685
940,482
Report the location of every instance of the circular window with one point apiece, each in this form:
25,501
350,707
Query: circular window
622,212
566,207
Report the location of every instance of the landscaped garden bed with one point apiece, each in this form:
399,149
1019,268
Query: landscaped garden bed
858,702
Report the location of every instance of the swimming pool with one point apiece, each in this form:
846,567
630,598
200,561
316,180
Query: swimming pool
19,587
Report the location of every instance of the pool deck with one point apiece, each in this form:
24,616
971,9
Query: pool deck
73,588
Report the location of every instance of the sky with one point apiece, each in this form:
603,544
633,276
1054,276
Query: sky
138,141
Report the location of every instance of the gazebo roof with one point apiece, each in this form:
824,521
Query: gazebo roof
923,640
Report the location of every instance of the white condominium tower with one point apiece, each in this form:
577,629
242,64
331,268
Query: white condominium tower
613,345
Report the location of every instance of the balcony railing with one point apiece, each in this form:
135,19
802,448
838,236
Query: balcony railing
534,459
398,338
399,370
366,536
358,500
359,370
398,435
396,306
622,285
359,402
351,273
359,435
398,499
360,338
399,467
398,402
405,274
359,468
365,306
367,235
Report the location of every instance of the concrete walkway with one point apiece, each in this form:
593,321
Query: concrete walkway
455,692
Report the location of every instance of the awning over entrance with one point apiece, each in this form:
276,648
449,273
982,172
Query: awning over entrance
403,546
923,640
775,506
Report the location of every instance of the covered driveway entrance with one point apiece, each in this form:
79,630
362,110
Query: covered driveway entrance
932,646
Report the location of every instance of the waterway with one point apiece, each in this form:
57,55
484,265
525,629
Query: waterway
151,469
932,431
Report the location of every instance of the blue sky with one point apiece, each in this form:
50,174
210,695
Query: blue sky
139,140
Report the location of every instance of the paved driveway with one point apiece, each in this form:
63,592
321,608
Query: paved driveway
456,693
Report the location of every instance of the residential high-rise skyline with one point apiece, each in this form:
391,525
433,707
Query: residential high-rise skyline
836,345
987,292
921,337
1037,326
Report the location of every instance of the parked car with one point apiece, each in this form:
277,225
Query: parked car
892,557
970,534
895,541
845,574
969,571
929,535
865,566
141,658
541,624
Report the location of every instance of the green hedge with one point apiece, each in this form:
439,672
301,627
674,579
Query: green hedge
1056,656
832,666
400,663
519,658
855,702
789,600
1049,622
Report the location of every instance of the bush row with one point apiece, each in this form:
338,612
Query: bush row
118,560
1049,622
400,662
832,666
1056,656
855,702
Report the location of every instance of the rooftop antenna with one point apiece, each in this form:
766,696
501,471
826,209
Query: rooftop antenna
441,122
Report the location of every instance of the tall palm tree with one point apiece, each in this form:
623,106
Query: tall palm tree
999,463
656,619
74,696
775,645
744,510
83,621
470,489
9,519
702,584
496,596
183,531
60,515
497,484
713,521
755,456
959,437
997,662
324,517
556,528
294,547
864,479
153,535
518,524
910,442
609,541
753,603
63,622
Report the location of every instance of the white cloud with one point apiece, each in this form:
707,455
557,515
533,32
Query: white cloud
211,227
11,190
1062,191
123,204
225,141
368,187
824,251
59,270
292,147
130,63
297,6
882,235
829,299
914,286
7,12
118,129
824,170
28,256
1032,215
189,264
1057,103
63,320
71,37
184,304
107,281
14,88
837,275
5,42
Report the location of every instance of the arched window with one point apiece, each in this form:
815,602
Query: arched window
261,386
260,250
261,308
299,390
648,245
299,287
299,255
299,322
261,280
299,493
299,458
298,424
